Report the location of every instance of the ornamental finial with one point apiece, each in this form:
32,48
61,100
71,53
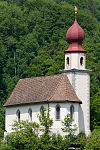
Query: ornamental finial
75,12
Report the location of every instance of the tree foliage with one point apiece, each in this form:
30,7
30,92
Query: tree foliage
25,135
69,127
1,133
45,121
93,141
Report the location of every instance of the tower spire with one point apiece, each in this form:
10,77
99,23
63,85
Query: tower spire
75,37
75,12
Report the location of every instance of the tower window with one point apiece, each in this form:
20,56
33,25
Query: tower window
30,114
81,60
41,109
71,110
18,115
57,112
67,60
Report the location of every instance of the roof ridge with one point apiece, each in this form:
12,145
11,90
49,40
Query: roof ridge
62,76
40,77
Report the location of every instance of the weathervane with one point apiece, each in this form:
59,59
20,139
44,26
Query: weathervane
75,12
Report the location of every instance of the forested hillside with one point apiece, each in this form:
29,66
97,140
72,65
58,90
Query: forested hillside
33,40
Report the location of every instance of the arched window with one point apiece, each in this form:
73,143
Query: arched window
18,115
30,114
71,110
67,60
41,109
81,61
58,112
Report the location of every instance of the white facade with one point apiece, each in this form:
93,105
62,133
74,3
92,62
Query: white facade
79,77
76,61
80,80
57,124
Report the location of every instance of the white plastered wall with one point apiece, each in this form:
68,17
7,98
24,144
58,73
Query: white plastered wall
74,61
11,114
57,125
80,81
64,110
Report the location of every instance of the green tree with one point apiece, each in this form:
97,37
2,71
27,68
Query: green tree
69,128
93,141
80,140
1,133
45,124
45,121
58,142
25,135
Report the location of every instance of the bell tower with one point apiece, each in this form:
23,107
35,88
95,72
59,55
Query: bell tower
79,76
75,55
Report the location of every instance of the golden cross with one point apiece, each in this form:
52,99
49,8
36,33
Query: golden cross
75,12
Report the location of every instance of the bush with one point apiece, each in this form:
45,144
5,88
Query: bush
25,136
79,141
93,141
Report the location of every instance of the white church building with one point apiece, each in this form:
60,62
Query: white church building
67,92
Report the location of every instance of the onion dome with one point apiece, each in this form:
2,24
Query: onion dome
75,37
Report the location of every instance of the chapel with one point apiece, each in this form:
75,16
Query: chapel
67,92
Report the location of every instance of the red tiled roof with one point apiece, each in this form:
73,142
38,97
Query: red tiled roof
43,89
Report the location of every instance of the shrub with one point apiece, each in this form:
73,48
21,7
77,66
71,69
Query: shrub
93,141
